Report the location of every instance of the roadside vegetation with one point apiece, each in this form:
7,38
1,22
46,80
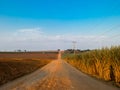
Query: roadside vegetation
101,63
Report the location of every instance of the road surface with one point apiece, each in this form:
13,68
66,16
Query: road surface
57,75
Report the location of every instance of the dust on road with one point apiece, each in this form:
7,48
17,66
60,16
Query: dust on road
58,75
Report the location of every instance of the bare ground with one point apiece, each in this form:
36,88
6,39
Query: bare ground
58,75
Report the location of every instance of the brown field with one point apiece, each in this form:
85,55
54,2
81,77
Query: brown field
17,64
28,55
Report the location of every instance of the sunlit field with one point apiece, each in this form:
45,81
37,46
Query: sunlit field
101,63
17,64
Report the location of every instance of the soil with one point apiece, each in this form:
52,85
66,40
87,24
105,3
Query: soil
57,75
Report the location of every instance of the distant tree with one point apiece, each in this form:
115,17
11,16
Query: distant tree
58,49
25,50
19,50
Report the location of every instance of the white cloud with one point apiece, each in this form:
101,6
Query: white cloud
36,39
33,31
25,34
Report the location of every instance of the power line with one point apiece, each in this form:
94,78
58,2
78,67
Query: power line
74,45
114,36
110,30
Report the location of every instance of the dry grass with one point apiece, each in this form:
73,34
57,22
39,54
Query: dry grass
14,65
103,64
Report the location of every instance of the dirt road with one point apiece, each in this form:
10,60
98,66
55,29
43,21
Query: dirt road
58,75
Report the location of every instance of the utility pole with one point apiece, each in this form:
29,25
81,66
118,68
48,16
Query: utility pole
74,46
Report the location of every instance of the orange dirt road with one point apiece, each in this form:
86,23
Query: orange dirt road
57,75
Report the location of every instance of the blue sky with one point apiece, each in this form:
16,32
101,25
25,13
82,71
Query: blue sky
53,24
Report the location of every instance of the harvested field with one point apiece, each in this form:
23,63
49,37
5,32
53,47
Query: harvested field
14,64
29,55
